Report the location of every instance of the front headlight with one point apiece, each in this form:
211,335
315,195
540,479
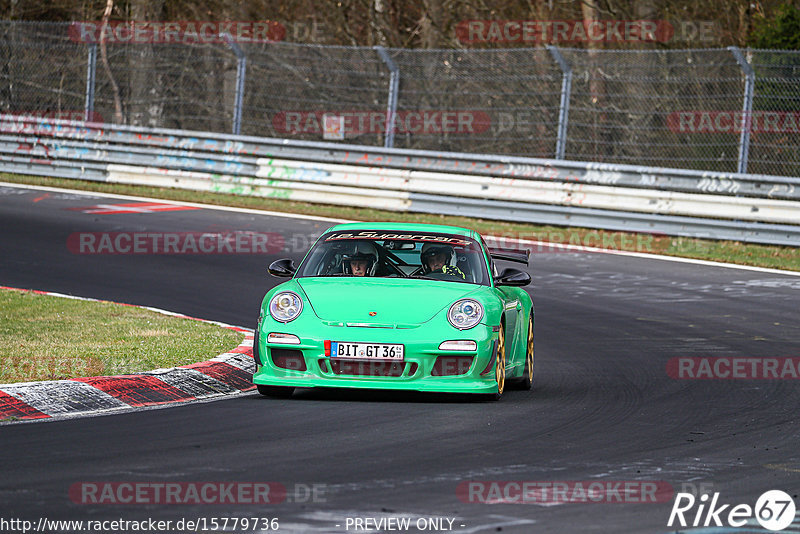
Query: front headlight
285,306
465,314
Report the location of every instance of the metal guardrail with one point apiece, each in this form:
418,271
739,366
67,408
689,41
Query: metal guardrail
752,208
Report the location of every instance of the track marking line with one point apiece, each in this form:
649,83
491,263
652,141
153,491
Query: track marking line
133,207
252,211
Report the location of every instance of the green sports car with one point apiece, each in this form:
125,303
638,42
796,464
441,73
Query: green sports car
397,306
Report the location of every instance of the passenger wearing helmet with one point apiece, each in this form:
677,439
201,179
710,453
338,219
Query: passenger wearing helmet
438,258
362,261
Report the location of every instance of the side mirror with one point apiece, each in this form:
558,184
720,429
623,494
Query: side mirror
512,277
282,268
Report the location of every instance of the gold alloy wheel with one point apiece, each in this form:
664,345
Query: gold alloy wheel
529,356
500,369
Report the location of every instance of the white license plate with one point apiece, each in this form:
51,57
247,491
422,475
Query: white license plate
367,351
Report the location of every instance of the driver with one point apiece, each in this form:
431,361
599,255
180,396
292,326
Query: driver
438,258
358,266
362,261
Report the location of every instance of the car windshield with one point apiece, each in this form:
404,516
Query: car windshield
447,257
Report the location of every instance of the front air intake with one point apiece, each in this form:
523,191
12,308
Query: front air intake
291,359
451,365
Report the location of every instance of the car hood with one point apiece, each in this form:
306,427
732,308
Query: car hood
395,302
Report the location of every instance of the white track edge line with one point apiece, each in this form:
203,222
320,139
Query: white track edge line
252,211
644,255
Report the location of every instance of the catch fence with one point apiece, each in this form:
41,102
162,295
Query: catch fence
726,110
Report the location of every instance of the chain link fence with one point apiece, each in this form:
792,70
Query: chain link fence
722,110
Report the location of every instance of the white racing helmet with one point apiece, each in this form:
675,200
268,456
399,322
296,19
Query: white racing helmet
363,251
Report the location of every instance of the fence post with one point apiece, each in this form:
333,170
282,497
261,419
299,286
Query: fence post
241,70
391,106
747,107
563,109
91,70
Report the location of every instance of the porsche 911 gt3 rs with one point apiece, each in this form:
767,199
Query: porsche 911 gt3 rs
397,306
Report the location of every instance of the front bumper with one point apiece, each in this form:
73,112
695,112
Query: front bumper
418,371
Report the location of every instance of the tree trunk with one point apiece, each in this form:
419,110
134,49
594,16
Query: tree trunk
591,13
145,101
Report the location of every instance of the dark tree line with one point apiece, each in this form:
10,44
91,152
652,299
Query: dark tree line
435,23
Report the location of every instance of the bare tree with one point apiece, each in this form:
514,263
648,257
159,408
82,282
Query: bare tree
104,55
144,103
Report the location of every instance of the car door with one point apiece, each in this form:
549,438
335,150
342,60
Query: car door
511,309
512,306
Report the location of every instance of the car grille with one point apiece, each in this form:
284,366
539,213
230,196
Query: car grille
366,368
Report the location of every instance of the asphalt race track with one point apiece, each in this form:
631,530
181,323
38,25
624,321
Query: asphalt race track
603,408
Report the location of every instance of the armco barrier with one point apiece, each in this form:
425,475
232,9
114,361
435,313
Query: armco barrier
764,209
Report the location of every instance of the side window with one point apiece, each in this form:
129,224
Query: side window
492,266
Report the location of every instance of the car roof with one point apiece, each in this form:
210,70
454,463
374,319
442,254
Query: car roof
405,227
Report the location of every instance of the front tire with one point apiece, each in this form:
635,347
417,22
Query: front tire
256,355
525,382
277,392
500,366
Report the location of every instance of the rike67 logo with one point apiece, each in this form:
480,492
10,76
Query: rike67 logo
774,510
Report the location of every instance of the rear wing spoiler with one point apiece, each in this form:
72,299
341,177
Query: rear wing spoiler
517,255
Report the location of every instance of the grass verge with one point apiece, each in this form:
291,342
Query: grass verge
776,257
52,338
